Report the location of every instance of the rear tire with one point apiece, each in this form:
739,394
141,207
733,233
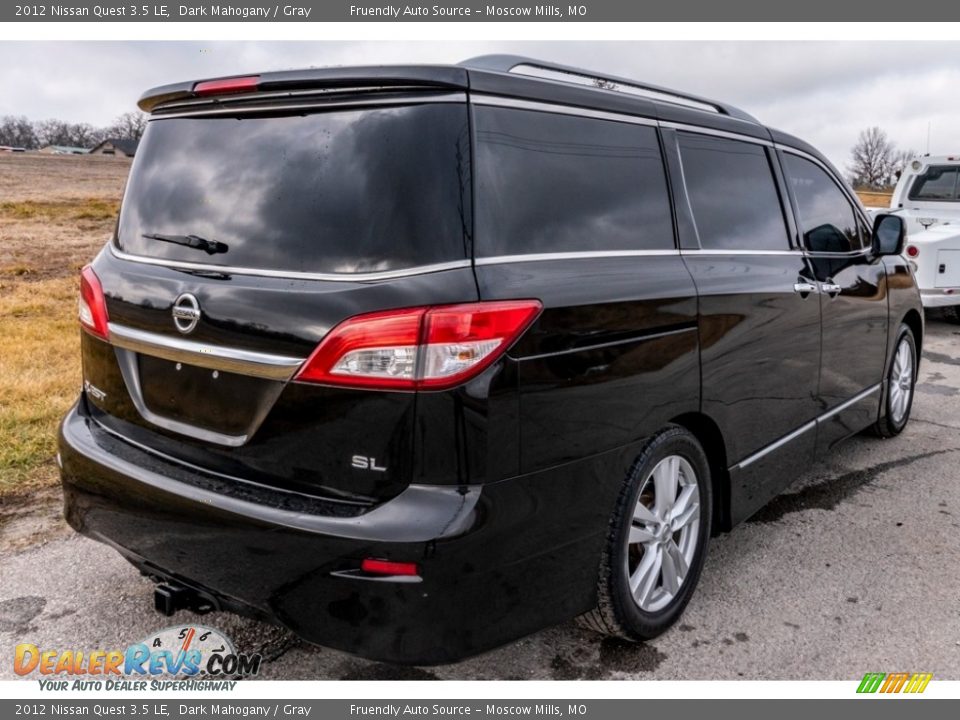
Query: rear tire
900,386
657,539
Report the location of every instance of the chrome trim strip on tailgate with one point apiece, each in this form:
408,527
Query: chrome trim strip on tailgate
215,357
357,277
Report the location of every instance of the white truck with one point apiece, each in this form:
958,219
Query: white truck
928,197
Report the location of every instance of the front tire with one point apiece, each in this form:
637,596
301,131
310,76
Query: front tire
657,541
900,386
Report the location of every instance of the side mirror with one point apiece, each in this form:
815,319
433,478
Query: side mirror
889,234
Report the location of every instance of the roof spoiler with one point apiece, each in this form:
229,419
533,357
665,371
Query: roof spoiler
326,78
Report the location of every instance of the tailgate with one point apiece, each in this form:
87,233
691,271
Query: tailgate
243,239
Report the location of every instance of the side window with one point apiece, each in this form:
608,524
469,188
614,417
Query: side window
559,183
827,219
733,194
937,183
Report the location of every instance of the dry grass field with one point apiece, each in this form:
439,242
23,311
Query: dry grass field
56,212
877,199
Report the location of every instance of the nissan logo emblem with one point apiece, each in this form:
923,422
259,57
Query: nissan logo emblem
186,313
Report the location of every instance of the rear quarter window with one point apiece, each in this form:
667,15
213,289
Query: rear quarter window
559,183
344,191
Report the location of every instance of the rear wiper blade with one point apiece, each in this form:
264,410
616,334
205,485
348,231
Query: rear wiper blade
211,247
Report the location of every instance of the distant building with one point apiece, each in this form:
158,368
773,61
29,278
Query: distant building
63,150
116,146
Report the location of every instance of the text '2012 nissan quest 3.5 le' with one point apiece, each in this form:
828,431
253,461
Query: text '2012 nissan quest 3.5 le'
417,360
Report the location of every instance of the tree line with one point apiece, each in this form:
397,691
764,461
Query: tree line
19,131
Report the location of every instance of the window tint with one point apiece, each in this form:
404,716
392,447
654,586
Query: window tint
827,219
334,192
558,183
937,183
732,194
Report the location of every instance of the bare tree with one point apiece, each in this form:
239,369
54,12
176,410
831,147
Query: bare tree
129,126
872,159
59,132
85,135
17,131
52,132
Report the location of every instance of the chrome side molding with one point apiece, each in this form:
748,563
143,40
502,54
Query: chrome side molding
777,444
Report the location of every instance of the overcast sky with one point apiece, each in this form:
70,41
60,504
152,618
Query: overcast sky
824,92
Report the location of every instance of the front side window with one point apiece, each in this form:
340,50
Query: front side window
548,182
827,219
938,183
732,194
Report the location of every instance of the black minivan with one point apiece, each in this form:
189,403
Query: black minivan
414,361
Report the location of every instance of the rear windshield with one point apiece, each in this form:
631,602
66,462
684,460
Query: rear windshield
937,183
352,191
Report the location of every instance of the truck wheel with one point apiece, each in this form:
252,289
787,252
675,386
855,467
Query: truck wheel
657,540
901,381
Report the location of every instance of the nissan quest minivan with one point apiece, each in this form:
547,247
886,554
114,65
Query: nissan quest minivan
415,361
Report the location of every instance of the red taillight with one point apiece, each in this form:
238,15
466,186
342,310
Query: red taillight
227,86
388,567
426,347
93,306
912,251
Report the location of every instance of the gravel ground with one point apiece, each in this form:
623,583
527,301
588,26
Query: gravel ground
854,569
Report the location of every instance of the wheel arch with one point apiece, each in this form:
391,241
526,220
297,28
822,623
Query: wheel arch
914,321
709,435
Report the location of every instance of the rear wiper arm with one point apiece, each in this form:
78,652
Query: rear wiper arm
211,247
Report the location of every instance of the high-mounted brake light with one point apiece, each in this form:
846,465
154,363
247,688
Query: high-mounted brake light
418,348
227,86
93,305
913,251
389,567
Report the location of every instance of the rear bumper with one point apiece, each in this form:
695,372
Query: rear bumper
495,563
940,297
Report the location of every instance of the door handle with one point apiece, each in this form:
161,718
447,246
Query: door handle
804,288
831,289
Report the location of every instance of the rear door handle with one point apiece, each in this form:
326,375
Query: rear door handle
831,289
804,288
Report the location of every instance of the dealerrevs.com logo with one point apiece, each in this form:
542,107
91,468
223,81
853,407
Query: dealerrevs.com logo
199,657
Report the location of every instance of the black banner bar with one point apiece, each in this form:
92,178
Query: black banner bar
855,11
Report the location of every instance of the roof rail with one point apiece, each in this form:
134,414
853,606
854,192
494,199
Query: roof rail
508,63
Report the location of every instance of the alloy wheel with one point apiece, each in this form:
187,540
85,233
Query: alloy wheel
663,533
901,382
